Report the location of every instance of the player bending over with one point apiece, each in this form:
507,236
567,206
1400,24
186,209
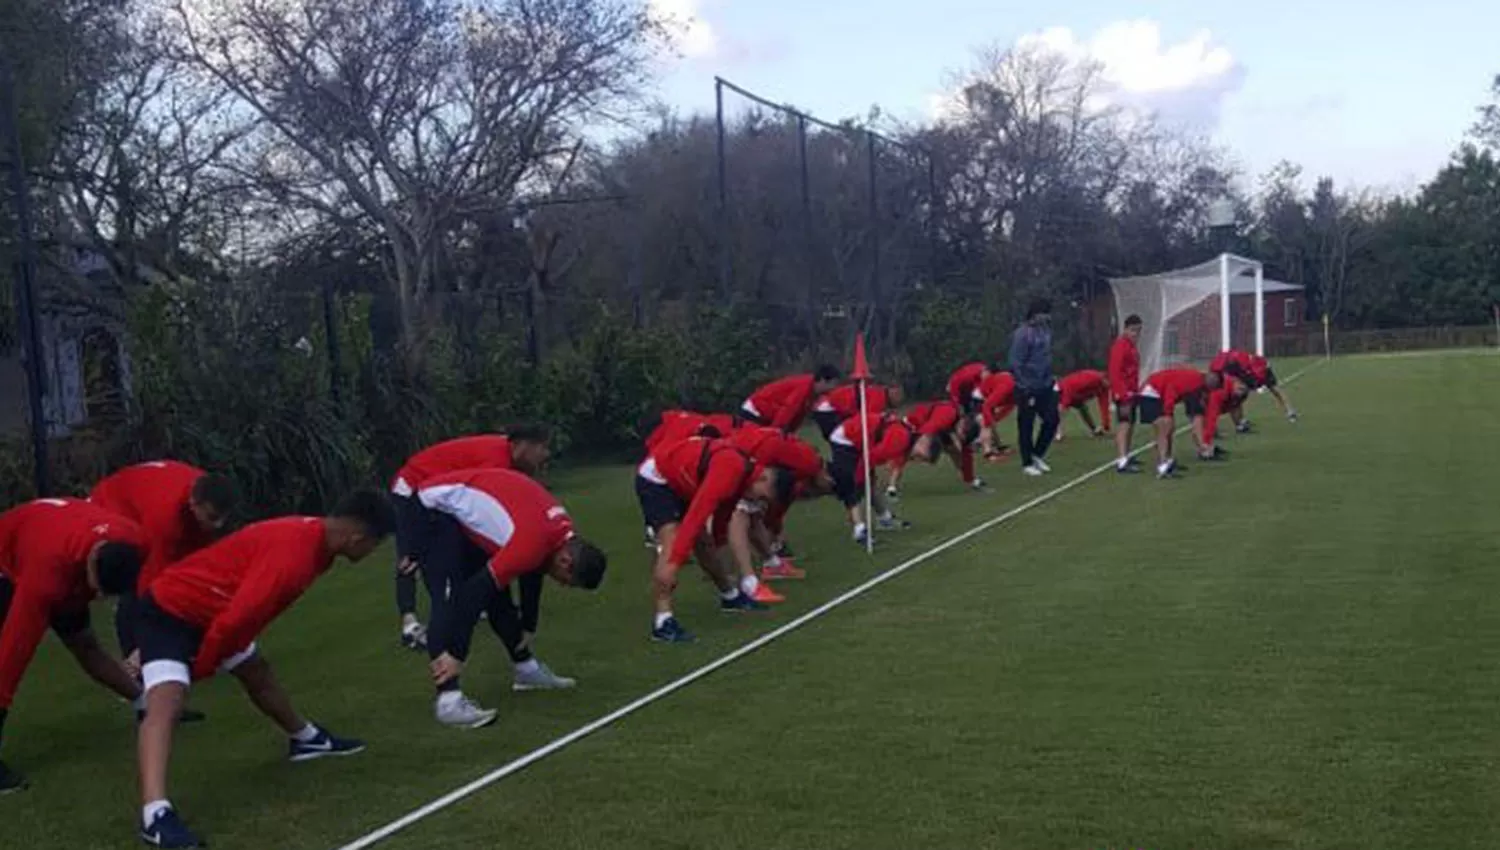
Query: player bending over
1159,398
1076,390
784,403
494,528
56,555
890,439
940,428
963,384
1124,387
839,404
1256,373
681,488
201,617
524,448
997,398
755,528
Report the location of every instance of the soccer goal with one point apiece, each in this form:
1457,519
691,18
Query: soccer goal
1191,314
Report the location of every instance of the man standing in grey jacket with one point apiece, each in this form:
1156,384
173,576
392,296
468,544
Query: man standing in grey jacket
1036,388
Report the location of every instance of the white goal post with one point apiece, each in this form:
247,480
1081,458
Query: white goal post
1179,307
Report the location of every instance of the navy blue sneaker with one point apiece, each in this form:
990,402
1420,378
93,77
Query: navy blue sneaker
168,830
323,745
10,781
1128,469
671,631
742,602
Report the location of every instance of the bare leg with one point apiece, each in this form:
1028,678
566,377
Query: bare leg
154,738
1125,433
1163,440
260,685
663,575
740,545
714,566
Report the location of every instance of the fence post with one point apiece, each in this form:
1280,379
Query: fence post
25,294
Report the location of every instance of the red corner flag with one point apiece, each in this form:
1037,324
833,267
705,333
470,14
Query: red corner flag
861,365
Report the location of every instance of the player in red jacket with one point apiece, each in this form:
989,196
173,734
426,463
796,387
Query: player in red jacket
57,555
180,508
1160,396
839,404
757,528
1255,373
996,398
688,492
786,402
202,616
939,428
1076,390
890,438
963,383
1124,376
674,425
494,528
522,447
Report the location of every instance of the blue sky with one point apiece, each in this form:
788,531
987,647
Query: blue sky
1376,93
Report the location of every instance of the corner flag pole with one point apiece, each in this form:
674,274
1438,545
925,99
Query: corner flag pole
861,374
1328,345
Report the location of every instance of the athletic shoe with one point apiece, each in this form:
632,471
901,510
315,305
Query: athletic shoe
1134,461
1041,463
541,679
782,549
10,781
1170,471
323,745
766,596
414,637
741,603
1034,471
784,570
894,523
893,494
168,830
861,536
1244,427
979,486
1128,469
671,631
1291,416
463,713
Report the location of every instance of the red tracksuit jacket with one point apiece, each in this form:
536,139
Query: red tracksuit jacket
156,496
507,514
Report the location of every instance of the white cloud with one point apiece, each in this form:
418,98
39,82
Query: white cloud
688,30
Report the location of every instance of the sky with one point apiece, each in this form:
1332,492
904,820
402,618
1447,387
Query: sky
1376,93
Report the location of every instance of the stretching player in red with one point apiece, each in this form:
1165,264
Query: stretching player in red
522,447
495,528
890,439
56,555
180,508
997,398
201,616
837,405
786,402
1160,396
1076,390
674,425
963,383
1256,373
939,428
1125,387
750,528
684,486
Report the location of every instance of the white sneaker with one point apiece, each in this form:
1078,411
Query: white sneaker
541,679
1040,464
463,713
1034,471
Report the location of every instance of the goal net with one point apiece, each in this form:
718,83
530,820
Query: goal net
1191,314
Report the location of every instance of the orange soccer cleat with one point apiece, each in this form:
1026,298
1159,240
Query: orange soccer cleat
766,596
784,570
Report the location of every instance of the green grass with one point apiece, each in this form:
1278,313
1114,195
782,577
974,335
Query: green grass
1299,648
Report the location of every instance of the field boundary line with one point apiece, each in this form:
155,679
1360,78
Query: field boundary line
557,744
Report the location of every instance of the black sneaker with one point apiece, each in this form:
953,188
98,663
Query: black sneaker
323,745
1128,469
10,781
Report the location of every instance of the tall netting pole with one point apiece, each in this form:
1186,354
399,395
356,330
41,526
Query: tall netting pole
1260,310
1224,303
723,177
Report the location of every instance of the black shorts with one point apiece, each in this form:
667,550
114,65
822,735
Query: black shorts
1127,412
843,468
1270,378
65,624
659,505
1148,408
1194,404
413,525
163,637
828,421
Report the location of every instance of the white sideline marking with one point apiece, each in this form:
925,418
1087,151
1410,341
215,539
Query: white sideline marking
584,731
1424,353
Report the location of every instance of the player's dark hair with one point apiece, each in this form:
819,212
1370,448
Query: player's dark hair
217,492
827,372
1037,308
118,565
589,563
531,432
370,509
1133,320
784,484
710,431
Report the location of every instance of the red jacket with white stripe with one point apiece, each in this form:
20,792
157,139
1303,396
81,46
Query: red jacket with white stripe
508,515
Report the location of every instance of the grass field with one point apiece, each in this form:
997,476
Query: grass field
1299,648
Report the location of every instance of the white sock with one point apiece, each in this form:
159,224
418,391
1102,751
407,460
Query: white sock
729,594
306,734
409,622
1163,467
773,561
1122,463
447,698
749,584
152,809
662,617
530,665
860,530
